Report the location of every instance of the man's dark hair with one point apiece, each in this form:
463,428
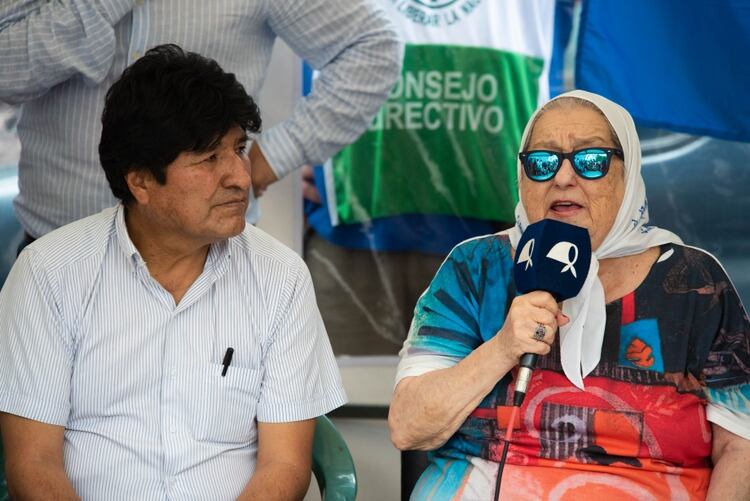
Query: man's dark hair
168,102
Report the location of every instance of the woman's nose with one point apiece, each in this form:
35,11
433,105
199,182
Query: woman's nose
566,176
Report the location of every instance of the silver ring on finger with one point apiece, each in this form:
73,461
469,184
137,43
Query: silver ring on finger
539,332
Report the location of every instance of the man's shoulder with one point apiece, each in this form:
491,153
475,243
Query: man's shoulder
75,241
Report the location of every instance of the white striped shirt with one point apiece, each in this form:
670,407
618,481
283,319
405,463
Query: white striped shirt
90,341
59,59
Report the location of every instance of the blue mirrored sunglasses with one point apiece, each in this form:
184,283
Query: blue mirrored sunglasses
589,163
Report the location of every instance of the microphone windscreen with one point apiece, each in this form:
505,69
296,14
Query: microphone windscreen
552,256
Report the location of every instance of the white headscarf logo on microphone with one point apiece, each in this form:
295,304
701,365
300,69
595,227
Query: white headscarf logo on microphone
526,252
561,253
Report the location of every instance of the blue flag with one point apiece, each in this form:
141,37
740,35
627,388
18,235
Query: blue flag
682,65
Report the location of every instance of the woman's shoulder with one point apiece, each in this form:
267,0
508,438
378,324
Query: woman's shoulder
688,260
492,245
683,271
482,258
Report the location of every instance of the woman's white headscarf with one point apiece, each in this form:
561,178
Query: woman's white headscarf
581,339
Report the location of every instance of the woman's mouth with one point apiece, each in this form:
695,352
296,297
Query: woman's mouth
565,208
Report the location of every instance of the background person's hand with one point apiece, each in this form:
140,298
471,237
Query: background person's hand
260,171
526,312
309,190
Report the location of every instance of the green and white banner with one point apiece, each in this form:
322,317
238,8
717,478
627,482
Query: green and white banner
445,142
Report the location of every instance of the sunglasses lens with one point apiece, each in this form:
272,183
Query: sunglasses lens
592,163
541,165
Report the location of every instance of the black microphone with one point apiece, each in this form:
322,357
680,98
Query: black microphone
554,257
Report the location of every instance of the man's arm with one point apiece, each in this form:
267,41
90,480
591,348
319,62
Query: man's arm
35,370
45,43
34,460
284,461
357,52
731,456
300,381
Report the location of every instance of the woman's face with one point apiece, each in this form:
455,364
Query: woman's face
592,204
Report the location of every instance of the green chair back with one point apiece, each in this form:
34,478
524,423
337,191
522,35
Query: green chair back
332,463
4,496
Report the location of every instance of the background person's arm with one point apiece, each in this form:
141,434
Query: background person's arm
34,460
45,43
358,54
284,462
731,456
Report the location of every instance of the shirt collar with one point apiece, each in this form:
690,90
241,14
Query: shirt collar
123,238
217,259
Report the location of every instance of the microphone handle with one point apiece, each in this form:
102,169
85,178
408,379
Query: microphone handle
529,360
527,364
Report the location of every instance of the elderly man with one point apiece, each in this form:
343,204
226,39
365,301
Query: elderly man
162,349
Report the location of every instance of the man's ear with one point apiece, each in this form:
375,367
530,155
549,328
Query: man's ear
139,182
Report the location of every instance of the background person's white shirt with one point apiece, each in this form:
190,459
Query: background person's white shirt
60,58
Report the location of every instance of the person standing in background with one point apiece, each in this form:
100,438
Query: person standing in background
437,164
59,58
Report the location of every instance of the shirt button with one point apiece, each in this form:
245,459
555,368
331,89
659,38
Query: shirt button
136,55
172,428
173,372
139,2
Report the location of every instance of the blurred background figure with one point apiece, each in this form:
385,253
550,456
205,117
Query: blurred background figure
60,58
435,167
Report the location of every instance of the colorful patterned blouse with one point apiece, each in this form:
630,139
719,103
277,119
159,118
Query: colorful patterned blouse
676,355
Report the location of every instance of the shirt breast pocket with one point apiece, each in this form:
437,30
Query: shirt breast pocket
224,407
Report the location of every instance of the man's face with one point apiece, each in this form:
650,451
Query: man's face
205,196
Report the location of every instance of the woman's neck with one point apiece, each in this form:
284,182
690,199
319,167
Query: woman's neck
622,275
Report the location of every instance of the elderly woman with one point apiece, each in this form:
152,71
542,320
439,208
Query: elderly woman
644,394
